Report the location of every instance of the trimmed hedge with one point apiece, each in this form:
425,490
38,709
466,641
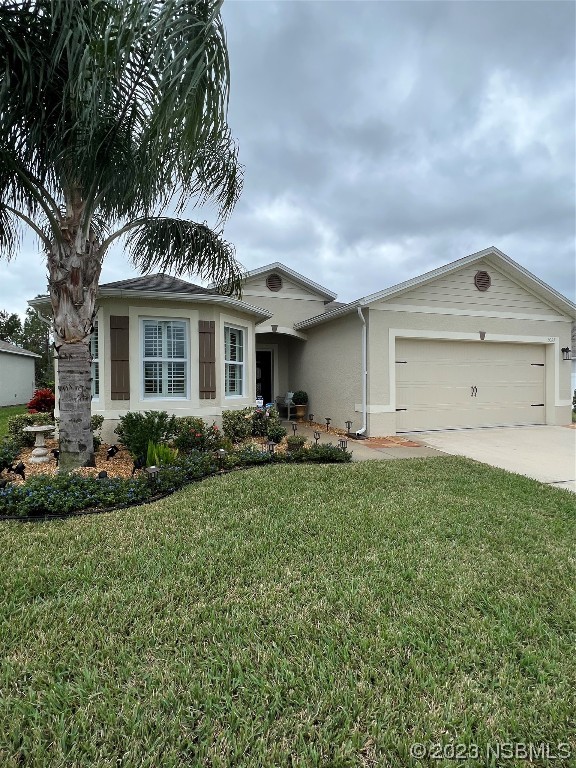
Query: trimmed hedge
64,494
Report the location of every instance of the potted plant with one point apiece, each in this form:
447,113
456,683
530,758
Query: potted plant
300,400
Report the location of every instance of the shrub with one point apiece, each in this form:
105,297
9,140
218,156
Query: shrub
193,434
256,422
43,401
295,442
237,425
250,454
17,423
160,455
61,494
325,453
9,451
136,429
300,397
96,422
276,432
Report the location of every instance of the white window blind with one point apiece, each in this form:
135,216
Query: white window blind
165,358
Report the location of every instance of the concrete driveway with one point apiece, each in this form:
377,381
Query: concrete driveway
545,453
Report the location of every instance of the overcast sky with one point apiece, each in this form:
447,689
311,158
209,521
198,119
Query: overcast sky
383,139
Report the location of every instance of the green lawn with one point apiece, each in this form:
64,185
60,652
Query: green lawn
294,616
5,413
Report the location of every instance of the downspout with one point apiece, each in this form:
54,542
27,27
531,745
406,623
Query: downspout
362,431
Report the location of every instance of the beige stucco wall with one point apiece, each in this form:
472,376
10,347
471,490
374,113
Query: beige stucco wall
137,309
292,303
387,323
328,367
16,378
457,291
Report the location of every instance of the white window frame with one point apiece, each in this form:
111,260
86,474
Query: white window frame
238,364
94,343
165,359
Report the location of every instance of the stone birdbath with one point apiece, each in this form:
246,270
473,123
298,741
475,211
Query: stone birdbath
40,454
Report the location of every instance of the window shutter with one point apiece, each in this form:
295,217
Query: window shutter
207,348
119,358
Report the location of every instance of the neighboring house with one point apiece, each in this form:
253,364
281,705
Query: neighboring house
573,355
474,343
16,374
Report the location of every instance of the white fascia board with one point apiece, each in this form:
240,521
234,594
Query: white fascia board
227,301
499,260
492,254
23,353
327,316
278,267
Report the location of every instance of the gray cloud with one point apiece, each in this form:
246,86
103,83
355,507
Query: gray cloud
382,139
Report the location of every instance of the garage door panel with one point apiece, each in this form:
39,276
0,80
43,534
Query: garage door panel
444,384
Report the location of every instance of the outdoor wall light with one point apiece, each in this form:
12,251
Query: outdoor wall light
316,436
566,353
343,443
328,420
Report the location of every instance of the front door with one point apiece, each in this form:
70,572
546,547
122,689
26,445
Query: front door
264,374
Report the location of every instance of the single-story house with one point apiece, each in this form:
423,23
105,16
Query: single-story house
477,342
16,374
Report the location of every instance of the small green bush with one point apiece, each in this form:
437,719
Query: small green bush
96,422
325,453
17,423
160,455
193,434
136,429
237,425
276,432
255,422
61,494
9,450
295,442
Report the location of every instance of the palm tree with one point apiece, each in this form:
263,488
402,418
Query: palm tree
112,114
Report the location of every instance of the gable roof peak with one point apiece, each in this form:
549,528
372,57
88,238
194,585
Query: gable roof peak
277,266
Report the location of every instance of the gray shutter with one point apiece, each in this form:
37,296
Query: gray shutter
119,357
207,350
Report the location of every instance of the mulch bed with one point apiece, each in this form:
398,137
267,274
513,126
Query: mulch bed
392,441
119,466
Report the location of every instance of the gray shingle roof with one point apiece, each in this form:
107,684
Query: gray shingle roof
159,282
5,346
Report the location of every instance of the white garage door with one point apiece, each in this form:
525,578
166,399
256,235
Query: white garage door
450,384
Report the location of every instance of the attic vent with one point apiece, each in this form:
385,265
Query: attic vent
482,280
274,282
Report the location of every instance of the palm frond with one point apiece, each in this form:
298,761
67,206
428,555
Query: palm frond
185,247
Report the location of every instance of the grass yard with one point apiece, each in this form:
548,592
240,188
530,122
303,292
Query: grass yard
295,616
5,413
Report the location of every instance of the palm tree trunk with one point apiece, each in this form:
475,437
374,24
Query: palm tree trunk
74,270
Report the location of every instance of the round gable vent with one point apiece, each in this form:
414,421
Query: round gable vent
274,282
482,280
